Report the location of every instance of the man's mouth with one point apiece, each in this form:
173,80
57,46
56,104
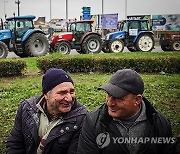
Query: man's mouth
65,104
113,109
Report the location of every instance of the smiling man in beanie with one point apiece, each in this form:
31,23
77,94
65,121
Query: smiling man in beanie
50,123
127,123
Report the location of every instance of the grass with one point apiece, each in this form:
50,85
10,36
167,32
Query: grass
124,55
162,91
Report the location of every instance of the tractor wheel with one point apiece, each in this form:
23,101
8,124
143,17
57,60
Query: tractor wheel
166,47
132,49
176,45
3,50
92,44
37,45
63,47
116,45
145,42
105,50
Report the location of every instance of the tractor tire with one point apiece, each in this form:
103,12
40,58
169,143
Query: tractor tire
37,45
166,47
63,47
116,45
92,44
145,43
132,49
175,45
105,50
3,50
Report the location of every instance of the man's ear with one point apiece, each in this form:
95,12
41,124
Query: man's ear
138,99
46,96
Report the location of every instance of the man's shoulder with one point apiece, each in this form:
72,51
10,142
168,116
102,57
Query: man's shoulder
162,118
30,101
97,113
155,115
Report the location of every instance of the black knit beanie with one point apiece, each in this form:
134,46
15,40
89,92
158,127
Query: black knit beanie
53,77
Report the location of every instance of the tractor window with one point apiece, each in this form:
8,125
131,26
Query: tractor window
10,25
28,24
124,27
19,25
144,25
79,27
134,25
22,25
83,27
87,27
72,27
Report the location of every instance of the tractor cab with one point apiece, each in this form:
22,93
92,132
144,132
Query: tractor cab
79,28
19,26
140,25
131,28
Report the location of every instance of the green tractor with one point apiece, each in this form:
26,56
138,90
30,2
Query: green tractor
20,36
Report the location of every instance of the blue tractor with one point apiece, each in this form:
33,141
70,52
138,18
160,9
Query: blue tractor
20,37
134,34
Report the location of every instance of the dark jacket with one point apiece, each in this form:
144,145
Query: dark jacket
98,121
63,138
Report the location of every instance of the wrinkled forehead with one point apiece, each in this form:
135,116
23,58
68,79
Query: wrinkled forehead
65,86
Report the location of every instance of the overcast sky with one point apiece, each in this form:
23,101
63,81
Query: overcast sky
134,7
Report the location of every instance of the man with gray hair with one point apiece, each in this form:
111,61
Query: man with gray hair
127,122
49,123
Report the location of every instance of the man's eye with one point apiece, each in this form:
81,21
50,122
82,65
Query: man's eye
62,92
72,92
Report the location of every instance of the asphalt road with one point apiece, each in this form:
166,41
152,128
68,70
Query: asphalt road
73,52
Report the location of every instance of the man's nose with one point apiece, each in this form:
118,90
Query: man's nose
68,97
112,100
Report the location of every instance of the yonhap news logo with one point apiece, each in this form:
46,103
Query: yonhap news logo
144,140
104,139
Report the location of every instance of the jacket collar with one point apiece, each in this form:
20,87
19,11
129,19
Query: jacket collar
150,111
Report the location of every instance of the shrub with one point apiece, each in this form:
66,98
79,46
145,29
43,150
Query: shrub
168,64
11,67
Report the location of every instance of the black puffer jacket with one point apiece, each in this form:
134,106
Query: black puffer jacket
63,138
98,121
